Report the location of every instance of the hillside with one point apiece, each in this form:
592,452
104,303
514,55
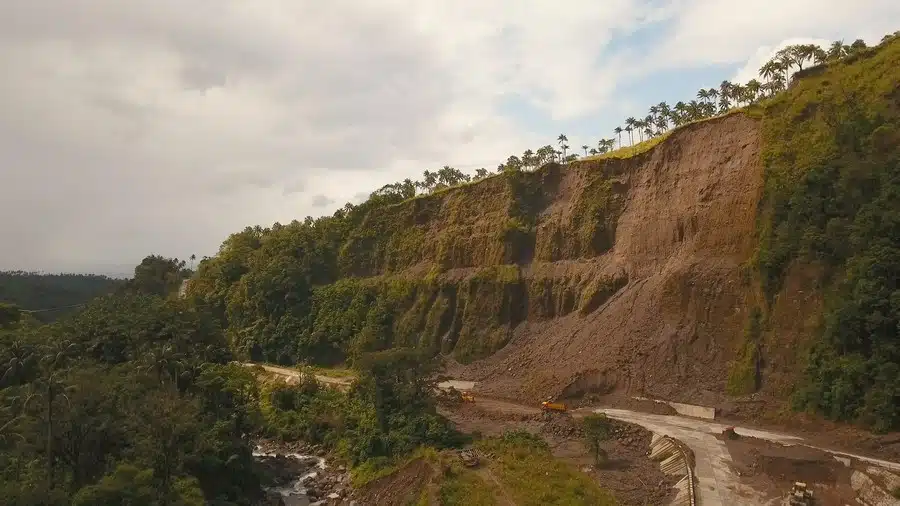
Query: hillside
752,252
52,294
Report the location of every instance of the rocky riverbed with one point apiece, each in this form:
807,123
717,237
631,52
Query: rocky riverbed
300,476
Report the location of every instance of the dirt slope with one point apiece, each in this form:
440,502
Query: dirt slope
686,227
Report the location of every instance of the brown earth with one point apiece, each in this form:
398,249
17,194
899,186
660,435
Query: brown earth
768,466
400,488
631,477
686,227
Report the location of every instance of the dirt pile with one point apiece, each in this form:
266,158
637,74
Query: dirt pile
773,468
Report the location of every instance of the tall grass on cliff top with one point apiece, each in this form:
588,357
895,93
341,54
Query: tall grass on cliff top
832,196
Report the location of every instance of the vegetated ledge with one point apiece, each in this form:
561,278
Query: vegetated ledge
460,269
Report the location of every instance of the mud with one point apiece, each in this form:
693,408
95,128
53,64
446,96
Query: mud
772,468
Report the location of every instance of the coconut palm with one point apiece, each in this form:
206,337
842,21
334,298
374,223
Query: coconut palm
703,95
753,86
618,131
585,148
630,123
771,69
837,50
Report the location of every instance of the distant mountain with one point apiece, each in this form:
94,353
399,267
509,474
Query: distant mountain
50,296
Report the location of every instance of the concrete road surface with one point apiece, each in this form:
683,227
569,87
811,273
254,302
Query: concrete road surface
717,483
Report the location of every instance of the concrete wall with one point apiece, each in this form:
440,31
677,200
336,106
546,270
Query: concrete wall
687,409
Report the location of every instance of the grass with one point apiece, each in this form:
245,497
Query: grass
377,468
629,151
462,487
533,477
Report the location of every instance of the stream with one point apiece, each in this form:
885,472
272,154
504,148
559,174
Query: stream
301,478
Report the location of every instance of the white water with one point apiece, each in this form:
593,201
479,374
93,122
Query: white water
294,494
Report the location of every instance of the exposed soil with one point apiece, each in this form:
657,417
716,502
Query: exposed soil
686,228
768,466
628,474
400,488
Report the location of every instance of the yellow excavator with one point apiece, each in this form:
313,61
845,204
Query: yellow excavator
468,397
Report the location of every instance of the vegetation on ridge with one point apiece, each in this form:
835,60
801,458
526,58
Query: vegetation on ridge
378,275
51,296
832,181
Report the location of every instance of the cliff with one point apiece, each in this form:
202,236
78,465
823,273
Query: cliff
694,271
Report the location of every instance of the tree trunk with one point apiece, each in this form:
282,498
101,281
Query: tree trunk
50,435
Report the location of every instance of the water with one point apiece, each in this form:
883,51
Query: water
294,494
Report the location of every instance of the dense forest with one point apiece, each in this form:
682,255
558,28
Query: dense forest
51,296
309,291
134,400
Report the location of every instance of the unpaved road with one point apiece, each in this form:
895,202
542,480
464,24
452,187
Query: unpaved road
717,482
342,383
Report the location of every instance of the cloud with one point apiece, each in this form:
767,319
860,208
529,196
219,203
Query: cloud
750,70
130,127
321,201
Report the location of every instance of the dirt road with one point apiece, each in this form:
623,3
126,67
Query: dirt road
342,383
718,484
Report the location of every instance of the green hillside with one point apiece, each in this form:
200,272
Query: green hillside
52,295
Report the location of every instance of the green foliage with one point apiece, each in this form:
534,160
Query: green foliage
130,401
10,315
461,487
594,219
57,292
744,373
160,276
832,181
532,476
596,429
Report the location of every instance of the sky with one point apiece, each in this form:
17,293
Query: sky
161,126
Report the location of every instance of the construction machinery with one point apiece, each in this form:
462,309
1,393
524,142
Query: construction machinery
468,397
468,457
800,495
553,406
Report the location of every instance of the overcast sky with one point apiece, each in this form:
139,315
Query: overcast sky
136,126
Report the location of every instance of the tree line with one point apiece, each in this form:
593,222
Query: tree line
135,399
773,78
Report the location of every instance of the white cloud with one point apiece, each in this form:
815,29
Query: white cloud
750,70
131,127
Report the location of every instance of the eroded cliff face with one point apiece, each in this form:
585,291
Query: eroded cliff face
612,274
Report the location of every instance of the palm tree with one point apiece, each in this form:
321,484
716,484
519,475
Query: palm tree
618,131
703,94
738,94
837,50
753,87
528,159
594,151
630,125
585,148
679,113
771,69
193,257
562,140
819,55
55,355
